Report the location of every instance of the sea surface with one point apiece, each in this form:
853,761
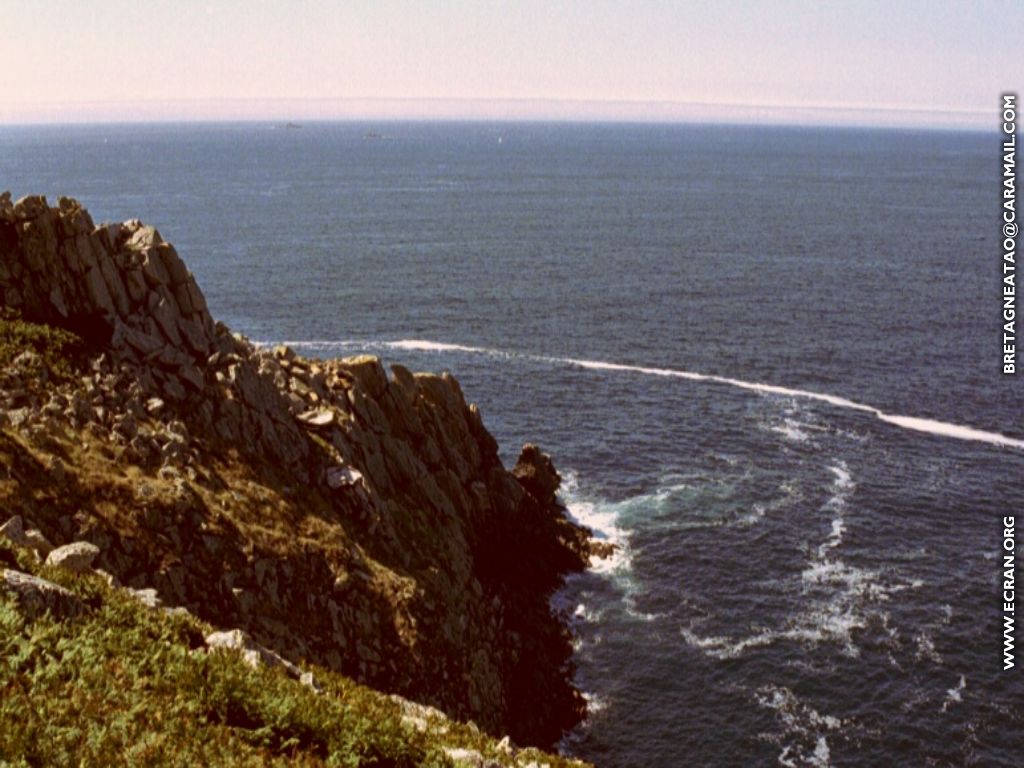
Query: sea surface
808,572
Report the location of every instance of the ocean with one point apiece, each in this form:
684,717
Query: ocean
766,361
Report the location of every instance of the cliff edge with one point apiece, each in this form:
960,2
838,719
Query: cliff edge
339,515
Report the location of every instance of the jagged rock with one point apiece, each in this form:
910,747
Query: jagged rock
601,549
29,207
37,541
368,371
76,557
536,473
453,600
37,596
342,477
282,352
14,531
127,427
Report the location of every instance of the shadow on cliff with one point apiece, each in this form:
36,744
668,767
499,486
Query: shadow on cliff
359,521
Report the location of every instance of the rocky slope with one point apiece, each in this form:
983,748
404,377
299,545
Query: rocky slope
339,515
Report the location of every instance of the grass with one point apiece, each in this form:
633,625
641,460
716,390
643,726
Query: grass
125,685
58,349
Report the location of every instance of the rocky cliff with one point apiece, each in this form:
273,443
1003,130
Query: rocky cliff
341,516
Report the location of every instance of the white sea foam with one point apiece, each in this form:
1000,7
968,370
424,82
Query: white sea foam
835,538
804,729
603,519
792,430
609,522
821,756
838,599
595,703
914,423
756,513
842,487
843,479
586,613
823,624
419,345
955,695
926,649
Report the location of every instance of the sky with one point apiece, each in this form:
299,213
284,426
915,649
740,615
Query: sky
928,63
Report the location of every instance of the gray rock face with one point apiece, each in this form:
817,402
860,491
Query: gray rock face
37,596
76,557
123,287
118,283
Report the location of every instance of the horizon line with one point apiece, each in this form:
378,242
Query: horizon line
541,109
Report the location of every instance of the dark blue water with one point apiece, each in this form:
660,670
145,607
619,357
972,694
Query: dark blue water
799,581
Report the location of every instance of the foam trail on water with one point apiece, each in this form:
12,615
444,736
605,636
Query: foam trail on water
913,423
418,345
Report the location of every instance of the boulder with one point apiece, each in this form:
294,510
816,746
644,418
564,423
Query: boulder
76,557
147,596
37,596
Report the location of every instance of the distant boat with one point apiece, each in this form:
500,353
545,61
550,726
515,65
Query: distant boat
373,135
292,126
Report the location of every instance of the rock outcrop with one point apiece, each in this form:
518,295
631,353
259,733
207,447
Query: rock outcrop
38,596
333,512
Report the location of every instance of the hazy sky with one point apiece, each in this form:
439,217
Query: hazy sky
185,59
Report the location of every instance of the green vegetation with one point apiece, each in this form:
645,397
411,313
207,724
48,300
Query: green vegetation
59,350
126,685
